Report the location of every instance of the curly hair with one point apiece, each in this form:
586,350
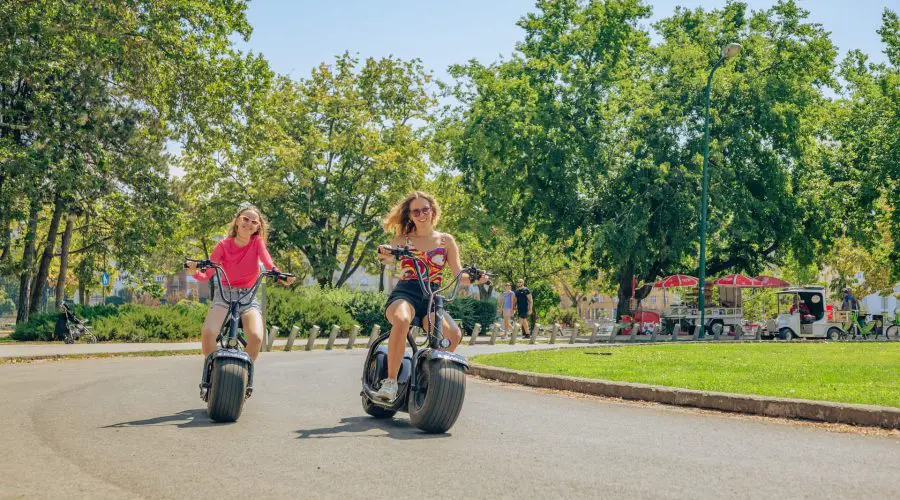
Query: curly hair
398,221
262,231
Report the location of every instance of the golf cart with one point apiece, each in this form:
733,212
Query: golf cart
802,314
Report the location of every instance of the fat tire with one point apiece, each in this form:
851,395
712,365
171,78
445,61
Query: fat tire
443,399
228,388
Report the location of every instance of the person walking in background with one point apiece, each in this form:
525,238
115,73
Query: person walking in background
850,303
507,306
523,304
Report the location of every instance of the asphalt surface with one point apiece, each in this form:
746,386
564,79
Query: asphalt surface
136,428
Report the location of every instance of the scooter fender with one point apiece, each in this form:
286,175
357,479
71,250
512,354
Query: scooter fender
429,354
229,353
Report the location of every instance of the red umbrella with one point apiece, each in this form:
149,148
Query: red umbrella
676,280
771,282
736,280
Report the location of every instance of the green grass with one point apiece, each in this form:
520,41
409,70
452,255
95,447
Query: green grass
842,372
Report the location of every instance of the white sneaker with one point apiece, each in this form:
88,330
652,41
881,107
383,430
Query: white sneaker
388,390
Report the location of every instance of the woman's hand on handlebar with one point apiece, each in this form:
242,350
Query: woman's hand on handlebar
385,253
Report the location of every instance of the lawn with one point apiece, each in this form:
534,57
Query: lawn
865,373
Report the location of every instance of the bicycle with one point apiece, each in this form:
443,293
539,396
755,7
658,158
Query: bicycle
859,328
890,327
228,371
432,380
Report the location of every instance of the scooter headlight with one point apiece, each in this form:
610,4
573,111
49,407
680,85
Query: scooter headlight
445,343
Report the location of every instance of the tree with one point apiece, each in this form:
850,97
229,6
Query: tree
591,128
343,146
89,92
863,166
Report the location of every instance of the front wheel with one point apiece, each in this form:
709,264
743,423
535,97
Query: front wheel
438,399
228,388
785,334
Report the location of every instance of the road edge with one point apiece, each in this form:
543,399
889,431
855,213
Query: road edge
804,409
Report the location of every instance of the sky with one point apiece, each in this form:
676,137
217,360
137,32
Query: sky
295,36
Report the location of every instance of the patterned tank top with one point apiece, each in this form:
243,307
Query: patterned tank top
434,259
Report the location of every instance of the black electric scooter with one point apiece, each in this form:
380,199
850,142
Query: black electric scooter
431,385
228,371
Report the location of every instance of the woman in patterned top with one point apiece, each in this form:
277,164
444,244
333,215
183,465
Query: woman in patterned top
412,222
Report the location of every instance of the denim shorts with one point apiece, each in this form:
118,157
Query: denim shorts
234,293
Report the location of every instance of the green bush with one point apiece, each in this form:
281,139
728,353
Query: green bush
38,327
137,323
305,308
130,323
567,317
42,326
471,310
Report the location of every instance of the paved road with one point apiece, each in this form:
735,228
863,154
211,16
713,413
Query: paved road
135,428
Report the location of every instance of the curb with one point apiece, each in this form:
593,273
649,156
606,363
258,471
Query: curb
820,411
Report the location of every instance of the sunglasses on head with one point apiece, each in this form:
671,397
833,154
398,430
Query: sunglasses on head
246,219
417,211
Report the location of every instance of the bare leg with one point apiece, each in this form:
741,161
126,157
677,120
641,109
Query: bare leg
211,326
400,314
524,323
253,327
451,330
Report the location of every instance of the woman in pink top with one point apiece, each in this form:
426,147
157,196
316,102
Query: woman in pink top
239,255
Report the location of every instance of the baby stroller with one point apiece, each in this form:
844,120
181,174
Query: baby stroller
70,328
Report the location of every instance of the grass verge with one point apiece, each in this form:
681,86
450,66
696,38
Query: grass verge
842,372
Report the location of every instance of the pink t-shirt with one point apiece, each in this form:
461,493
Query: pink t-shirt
241,264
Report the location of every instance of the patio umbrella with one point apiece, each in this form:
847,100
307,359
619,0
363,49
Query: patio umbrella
676,280
736,280
771,282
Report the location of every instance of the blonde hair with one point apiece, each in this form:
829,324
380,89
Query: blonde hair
262,231
398,221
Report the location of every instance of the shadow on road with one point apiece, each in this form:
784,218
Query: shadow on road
183,419
395,429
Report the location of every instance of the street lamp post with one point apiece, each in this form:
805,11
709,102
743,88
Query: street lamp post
729,51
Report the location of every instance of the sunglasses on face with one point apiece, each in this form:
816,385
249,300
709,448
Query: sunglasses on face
248,220
423,211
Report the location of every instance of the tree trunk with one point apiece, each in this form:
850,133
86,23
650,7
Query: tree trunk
6,238
40,281
624,292
381,277
64,262
82,293
27,262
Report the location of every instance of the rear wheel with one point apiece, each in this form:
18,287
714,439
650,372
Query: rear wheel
892,332
834,333
228,388
438,399
715,328
375,410
371,375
